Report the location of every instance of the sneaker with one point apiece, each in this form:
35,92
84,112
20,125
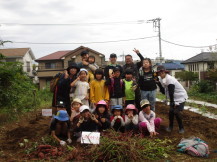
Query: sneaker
181,131
169,129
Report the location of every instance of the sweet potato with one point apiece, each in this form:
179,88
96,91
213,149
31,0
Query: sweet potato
59,153
44,147
41,155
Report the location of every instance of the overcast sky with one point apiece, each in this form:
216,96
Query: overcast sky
186,22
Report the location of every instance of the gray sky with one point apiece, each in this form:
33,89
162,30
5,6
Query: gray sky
187,22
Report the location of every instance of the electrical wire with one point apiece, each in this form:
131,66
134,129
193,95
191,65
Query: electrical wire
186,45
78,24
112,41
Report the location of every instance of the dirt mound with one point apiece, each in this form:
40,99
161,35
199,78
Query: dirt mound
29,128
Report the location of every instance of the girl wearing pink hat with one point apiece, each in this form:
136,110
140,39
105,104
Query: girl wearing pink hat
131,118
102,115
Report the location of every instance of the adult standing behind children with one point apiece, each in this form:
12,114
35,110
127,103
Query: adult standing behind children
85,62
63,89
113,64
129,65
177,95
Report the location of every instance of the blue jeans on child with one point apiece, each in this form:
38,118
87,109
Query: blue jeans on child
150,96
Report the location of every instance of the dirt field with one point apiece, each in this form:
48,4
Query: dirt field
28,128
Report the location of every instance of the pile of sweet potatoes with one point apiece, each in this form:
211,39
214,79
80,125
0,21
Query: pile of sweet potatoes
46,152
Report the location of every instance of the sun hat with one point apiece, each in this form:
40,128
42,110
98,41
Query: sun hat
62,115
77,100
101,102
73,66
131,107
144,102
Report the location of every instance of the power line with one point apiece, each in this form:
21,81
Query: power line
112,41
186,45
77,24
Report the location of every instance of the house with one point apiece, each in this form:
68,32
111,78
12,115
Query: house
172,66
56,62
201,63
23,55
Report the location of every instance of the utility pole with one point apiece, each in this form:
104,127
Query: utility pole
156,24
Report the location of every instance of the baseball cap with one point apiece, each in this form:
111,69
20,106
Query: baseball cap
161,68
113,55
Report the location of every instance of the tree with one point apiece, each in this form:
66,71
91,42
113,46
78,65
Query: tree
187,76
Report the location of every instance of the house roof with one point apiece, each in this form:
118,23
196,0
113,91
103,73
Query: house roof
172,66
202,57
16,52
54,56
60,54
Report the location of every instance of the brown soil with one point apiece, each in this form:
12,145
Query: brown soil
34,129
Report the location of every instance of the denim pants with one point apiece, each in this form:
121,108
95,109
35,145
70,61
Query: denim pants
150,96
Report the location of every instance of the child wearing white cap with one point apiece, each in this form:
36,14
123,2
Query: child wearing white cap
85,121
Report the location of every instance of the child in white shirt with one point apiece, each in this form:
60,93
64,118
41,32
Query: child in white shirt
148,122
82,87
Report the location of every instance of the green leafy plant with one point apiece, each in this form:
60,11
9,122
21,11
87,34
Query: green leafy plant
118,147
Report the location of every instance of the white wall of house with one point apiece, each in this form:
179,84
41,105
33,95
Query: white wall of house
27,64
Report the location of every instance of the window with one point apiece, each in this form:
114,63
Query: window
50,65
28,66
210,65
11,60
71,62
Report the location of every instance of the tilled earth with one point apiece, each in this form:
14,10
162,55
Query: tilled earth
34,129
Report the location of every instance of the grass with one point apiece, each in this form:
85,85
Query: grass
43,99
208,97
160,96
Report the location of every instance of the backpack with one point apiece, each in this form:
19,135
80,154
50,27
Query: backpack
194,146
54,81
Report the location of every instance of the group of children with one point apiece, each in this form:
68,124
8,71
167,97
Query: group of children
119,119
99,104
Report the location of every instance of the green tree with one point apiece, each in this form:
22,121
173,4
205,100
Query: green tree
187,76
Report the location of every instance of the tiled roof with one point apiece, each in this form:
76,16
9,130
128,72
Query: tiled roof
54,56
172,65
202,57
14,52
59,54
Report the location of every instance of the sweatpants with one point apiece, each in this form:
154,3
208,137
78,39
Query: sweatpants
177,112
143,126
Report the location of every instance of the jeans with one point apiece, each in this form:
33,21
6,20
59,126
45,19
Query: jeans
150,96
